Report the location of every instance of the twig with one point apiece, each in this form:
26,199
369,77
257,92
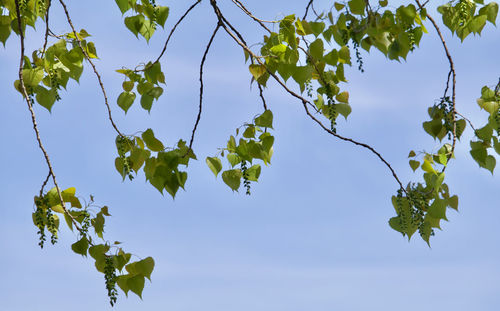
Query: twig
46,39
33,116
103,90
174,28
304,101
468,121
45,183
307,8
203,59
261,94
258,20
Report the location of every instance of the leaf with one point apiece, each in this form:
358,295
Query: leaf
253,172
136,284
98,251
257,71
438,209
152,143
427,167
453,202
135,23
123,5
357,6
162,15
125,100
81,246
32,77
344,54
145,267
232,178
414,165
265,119
214,164
343,97
343,109
316,49
122,280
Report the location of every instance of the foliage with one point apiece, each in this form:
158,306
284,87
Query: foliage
305,56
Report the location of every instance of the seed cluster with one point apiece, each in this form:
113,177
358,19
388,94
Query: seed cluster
110,280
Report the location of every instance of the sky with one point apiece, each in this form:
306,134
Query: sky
312,236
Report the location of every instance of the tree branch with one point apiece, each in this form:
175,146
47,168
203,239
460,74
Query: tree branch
174,28
203,59
103,90
258,20
33,116
304,101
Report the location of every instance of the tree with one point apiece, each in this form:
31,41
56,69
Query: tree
297,56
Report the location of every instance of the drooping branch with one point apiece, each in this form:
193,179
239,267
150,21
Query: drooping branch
174,28
103,90
304,101
26,96
203,59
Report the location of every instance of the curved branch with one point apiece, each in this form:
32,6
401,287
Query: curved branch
307,8
103,90
174,28
304,101
454,81
203,59
46,39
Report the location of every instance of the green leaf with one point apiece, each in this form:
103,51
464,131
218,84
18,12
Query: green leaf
162,15
145,267
98,224
122,281
491,12
135,23
125,100
136,284
214,164
414,165
257,71
316,49
233,159
357,6
343,109
32,77
123,5
438,209
427,167
265,119
81,246
152,143
46,98
253,172
344,54
343,97
453,202
232,178
98,251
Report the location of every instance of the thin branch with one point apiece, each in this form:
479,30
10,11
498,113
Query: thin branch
261,94
46,39
304,101
174,28
454,82
307,8
258,20
33,116
45,184
103,90
203,59
468,121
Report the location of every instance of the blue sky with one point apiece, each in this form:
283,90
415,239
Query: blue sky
312,236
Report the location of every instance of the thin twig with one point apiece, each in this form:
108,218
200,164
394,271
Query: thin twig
174,28
468,121
261,94
304,101
307,9
46,39
33,116
45,184
454,82
103,90
258,20
203,59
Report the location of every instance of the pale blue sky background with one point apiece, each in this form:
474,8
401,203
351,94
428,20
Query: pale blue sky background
314,233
